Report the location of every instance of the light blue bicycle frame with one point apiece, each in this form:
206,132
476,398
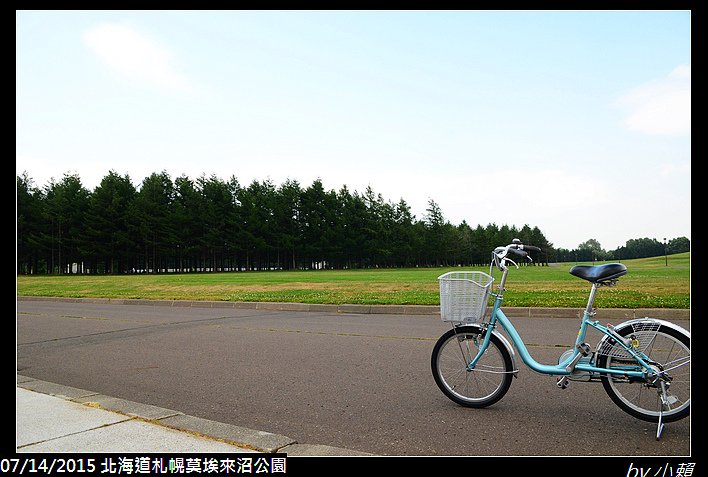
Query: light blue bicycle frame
498,316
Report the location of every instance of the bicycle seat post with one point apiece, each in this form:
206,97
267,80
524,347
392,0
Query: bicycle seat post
598,275
591,300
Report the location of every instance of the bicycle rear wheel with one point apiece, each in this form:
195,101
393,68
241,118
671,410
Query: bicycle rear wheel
669,352
482,386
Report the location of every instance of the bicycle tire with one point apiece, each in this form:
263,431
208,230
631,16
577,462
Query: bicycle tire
642,400
477,388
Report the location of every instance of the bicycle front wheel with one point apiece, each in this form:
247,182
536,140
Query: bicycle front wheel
670,352
482,386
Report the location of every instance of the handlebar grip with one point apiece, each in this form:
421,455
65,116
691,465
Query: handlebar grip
520,253
531,248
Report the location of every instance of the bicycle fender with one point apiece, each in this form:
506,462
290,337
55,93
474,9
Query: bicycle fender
507,345
665,323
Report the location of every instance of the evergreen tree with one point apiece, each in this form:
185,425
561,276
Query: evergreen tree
148,220
210,224
66,203
106,227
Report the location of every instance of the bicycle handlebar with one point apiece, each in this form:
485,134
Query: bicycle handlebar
517,248
520,253
530,248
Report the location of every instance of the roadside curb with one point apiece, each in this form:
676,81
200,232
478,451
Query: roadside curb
668,314
254,440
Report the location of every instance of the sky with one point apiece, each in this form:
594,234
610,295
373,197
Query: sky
575,122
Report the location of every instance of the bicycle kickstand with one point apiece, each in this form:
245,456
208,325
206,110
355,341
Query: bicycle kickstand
664,405
660,426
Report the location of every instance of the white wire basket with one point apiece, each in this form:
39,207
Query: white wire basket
464,296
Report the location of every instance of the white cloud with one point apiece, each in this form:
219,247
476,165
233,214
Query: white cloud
135,55
661,106
671,169
681,72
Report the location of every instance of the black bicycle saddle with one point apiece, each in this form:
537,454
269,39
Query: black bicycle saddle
599,273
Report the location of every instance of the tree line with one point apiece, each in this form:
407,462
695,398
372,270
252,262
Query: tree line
591,250
208,224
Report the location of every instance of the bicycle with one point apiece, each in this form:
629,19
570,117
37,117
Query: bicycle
643,364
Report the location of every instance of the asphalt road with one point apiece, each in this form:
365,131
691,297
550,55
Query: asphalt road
361,382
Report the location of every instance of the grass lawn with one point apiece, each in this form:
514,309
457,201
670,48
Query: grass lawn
649,283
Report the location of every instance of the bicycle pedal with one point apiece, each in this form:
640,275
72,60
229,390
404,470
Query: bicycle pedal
562,382
584,349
